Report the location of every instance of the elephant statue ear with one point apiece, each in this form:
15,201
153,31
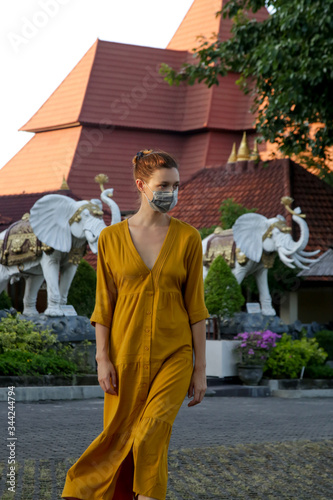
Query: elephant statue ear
97,201
49,218
248,231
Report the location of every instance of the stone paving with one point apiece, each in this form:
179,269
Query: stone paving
223,448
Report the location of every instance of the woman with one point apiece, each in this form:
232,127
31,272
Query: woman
149,315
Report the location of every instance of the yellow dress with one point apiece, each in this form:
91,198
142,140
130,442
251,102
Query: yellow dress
149,313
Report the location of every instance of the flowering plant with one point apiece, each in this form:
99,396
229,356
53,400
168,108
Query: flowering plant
255,346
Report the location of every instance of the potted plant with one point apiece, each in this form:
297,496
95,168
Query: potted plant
254,349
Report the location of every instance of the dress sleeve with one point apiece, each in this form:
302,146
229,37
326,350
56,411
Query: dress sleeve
106,291
193,288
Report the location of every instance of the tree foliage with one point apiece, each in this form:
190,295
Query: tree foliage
82,291
223,294
230,211
286,64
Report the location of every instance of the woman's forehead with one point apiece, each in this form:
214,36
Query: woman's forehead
165,174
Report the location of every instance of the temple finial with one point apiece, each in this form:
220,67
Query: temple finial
233,155
243,151
255,153
64,184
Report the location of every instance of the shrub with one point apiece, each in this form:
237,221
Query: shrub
82,292
289,356
15,362
17,333
5,300
26,350
318,371
223,295
325,340
206,231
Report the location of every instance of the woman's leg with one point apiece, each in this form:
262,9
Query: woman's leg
150,447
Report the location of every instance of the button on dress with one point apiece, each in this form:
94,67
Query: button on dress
149,313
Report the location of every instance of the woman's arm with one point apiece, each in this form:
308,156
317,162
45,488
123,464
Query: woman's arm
105,368
198,380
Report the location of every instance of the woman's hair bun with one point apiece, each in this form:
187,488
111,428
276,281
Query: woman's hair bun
140,154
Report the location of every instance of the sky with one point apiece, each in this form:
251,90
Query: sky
42,41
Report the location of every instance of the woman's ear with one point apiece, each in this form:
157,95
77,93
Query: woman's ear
140,185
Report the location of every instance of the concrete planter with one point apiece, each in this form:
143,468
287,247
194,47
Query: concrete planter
296,383
299,388
221,359
48,380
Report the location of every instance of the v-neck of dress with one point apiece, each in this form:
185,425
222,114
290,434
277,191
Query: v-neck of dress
162,249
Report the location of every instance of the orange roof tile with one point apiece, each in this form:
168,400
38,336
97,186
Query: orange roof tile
41,164
63,107
201,20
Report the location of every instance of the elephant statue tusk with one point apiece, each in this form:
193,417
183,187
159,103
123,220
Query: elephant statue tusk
304,259
309,254
286,261
284,257
284,251
299,264
287,201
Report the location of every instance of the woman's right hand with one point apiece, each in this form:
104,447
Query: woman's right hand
106,372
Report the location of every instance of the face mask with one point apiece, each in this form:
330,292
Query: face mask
162,201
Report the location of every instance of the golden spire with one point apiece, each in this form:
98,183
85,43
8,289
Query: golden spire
243,151
255,153
64,184
233,156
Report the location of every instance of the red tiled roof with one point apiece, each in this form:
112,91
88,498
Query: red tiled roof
315,197
82,152
261,188
4,221
120,85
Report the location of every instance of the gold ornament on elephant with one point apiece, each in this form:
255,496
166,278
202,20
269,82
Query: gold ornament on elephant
287,201
20,244
93,209
101,179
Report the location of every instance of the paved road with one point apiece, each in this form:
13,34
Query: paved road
230,448
61,429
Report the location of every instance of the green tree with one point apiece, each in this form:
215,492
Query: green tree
223,294
82,291
5,300
286,64
230,211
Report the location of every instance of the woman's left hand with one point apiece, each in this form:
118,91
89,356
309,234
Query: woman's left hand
198,384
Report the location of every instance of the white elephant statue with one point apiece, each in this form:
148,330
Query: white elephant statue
252,244
49,241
